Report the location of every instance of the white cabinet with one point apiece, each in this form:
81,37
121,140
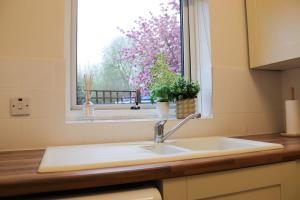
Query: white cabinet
297,182
269,182
274,33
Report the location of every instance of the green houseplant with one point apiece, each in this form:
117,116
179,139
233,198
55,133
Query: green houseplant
161,95
184,92
161,80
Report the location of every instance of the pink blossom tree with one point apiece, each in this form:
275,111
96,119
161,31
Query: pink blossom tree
152,36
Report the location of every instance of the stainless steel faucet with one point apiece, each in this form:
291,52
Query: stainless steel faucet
160,136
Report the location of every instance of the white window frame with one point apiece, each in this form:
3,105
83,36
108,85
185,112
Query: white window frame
122,111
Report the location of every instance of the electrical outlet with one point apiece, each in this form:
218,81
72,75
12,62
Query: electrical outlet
19,106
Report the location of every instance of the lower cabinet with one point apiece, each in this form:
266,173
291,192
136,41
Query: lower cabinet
268,182
298,179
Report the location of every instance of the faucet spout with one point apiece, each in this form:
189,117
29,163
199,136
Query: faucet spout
159,130
160,137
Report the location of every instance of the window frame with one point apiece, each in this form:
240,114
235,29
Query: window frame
122,111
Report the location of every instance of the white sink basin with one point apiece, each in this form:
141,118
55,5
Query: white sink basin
164,149
219,144
82,157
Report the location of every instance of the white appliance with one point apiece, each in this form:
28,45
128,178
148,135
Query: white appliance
143,193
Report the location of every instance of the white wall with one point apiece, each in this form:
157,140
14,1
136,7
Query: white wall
32,65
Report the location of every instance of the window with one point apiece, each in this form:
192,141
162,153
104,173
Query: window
118,42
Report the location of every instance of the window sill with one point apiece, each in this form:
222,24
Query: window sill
111,116
97,121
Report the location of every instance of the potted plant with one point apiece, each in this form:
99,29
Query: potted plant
161,95
161,79
184,93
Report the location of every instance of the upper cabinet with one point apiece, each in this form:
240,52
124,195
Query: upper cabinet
274,34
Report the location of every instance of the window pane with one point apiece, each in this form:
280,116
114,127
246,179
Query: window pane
118,42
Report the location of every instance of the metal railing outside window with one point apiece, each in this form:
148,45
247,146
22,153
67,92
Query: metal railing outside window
112,97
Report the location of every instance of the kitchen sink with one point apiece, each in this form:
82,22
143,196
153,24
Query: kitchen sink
81,157
221,144
164,149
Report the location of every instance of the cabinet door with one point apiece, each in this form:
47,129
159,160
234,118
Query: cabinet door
297,182
269,193
173,189
271,182
273,31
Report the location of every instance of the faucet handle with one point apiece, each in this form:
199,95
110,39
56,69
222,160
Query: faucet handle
159,130
160,123
159,127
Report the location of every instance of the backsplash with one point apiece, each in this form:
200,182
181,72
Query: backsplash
244,101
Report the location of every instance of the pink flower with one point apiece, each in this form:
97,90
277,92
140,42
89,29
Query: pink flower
150,37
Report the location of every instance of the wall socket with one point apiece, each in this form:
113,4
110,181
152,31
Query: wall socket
19,106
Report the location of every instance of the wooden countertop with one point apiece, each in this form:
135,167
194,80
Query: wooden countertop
18,169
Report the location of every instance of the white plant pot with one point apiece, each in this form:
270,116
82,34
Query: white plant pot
163,109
